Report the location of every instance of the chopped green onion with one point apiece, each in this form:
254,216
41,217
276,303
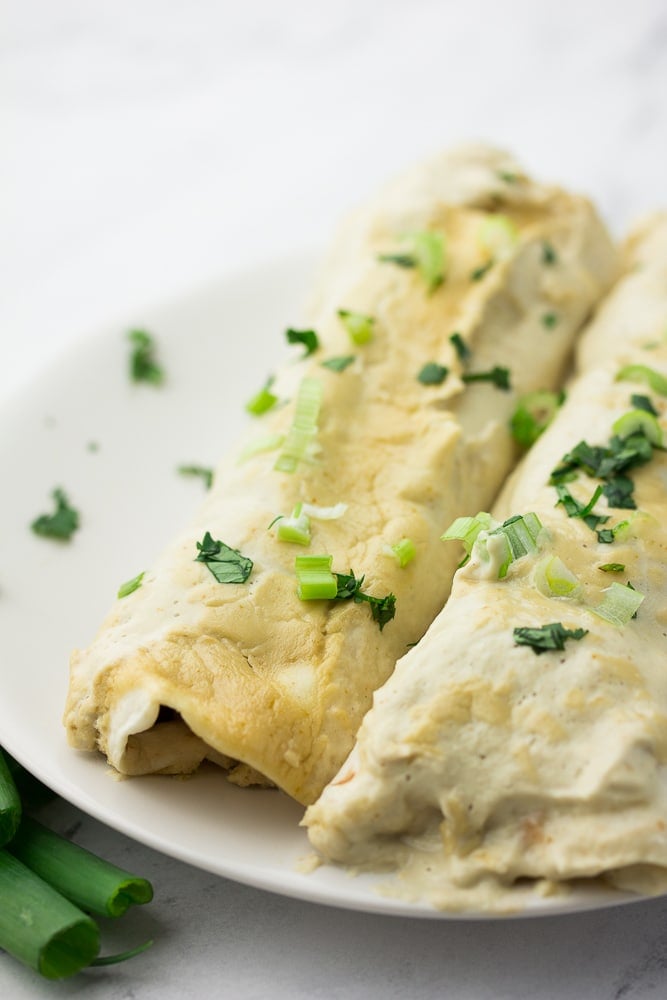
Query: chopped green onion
40,927
549,255
60,525
425,251
639,422
89,882
262,401
554,579
205,473
144,366
301,435
462,350
432,373
226,564
466,530
339,364
547,637
130,586
533,414
640,402
498,236
642,373
619,604
550,320
325,513
294,529
308,338
315,580
10,803
403,551
480,272
612,567
500,377
359,326
260,445
521,532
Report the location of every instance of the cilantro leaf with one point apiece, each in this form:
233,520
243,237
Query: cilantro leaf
549,255
61,524
550,320
618,491
547,637
640,402
338,364
349,586
500,377
432,374
462,350
308,338
144,366
202,471
574,508
226,564
482,270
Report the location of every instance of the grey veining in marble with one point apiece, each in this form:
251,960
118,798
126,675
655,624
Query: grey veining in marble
153,144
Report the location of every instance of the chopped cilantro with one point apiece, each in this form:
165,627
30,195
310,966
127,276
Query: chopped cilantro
349,586
144,366
612,567
205,474
308,338
550,320
507,176
547,637
226,564
640,402
338,364
533,414
500,377
425,251
61,524
460,346
573,507
618,491
482,270
605,536
432,374
400,259
130,586
549,255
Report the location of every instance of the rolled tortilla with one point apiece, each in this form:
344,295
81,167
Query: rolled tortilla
272,686
483,762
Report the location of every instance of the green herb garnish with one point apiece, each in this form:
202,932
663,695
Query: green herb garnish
226,564
550,320
203,471
618,491
144,366
338,364
533,414
424,251
358,325
642,373
462,350
640,402
130,586
432,374
547,637
612,567
574,508
482,270
308,338
61,524
349,586
549,255
500,377
264,400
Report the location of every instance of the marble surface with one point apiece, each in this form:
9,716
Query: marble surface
151,145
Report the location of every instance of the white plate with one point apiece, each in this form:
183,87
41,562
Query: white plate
217,347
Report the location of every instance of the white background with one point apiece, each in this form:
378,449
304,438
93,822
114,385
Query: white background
151,145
